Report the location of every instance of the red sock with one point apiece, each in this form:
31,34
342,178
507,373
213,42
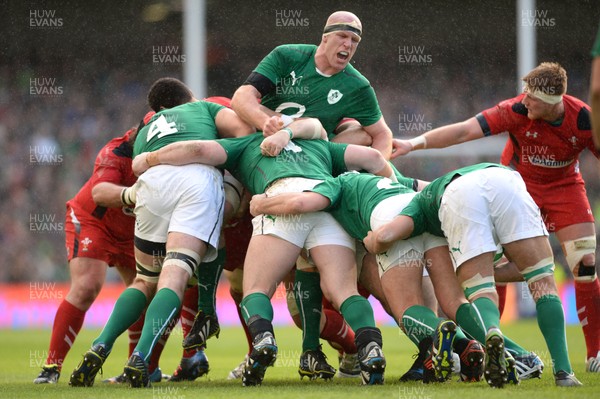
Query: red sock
237,298
501,290
67,323
135,331
587,298
189,308
336,330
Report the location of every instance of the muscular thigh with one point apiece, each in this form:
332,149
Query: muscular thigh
268,260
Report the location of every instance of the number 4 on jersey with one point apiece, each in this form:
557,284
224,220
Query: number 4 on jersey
161,128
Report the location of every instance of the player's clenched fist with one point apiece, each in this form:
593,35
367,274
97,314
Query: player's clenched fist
275,124
255,204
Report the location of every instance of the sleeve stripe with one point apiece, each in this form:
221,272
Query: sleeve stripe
484,125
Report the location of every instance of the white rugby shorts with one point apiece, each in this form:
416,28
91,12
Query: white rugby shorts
307,230
185,199
410,252
485,208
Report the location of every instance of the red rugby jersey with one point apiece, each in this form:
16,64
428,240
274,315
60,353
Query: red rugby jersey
540,151
113,165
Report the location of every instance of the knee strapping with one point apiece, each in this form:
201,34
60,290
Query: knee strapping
543,268
478,285
234,190
184,258
575,250
148,272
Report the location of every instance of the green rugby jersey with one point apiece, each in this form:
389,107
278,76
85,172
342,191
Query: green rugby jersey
409,182
424,208
310,159
353,197
190,121
301,90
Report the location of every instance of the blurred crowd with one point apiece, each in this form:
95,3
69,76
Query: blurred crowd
50,133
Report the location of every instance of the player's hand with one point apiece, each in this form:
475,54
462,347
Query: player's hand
139,164
272,145
400,147
144,161
255,203
373,245
272,126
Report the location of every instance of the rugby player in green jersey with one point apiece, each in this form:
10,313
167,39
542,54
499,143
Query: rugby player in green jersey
306,80
477,208
277,242
178,220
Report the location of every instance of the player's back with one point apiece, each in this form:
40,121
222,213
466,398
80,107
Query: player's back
358,195
190,121
311,159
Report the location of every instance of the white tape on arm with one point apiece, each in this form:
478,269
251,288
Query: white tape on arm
418,140
316,129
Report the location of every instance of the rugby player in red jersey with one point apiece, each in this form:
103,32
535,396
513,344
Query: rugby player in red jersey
548,129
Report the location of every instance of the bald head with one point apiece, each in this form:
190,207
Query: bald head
343,17
343,20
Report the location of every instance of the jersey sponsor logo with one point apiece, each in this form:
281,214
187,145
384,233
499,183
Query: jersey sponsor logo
547,161
334,96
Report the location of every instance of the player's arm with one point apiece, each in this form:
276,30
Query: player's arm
381,137
352,132
106,181
308,128
245,103
381,239
230,125
207,152
369,159
288,203
441,137
113,195
595,100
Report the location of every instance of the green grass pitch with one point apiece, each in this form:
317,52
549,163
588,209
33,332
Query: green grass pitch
24,351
